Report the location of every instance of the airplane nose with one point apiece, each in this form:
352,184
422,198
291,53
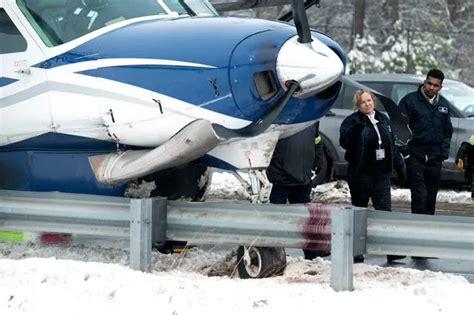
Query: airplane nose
313,65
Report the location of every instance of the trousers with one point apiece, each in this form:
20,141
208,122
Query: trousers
423,178
376,187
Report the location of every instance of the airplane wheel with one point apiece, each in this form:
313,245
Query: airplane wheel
190,181
260,262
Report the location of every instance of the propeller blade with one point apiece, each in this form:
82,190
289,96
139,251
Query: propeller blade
263,123
301,22
287,17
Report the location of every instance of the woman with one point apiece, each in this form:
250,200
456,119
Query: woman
367,137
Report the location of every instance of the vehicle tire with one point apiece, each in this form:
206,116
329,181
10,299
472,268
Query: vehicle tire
262,262
189,181
321,166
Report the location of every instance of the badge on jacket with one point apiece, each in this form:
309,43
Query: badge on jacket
443,110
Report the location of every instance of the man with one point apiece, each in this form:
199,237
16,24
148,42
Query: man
290,168
428,117
290,172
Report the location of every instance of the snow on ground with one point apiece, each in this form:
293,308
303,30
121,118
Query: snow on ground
180,284
226,186
87,279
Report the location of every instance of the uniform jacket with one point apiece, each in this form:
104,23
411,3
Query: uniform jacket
430,125
359,138
293,159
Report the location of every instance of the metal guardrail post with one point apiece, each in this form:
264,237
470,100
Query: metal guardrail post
147,225
348,238
342,242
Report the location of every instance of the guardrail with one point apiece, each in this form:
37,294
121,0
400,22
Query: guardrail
346,230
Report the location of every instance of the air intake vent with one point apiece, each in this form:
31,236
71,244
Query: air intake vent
264,84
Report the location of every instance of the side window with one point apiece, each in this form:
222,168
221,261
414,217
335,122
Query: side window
11,39
401,89
344,100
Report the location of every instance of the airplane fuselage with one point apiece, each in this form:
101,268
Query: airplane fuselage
134,84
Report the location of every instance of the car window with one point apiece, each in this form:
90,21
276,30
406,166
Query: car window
460,95
11,39
399,90
348,97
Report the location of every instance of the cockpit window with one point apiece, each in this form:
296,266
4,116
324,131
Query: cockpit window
11,39
191,7
60,21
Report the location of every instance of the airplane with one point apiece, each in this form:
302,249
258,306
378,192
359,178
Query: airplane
99,95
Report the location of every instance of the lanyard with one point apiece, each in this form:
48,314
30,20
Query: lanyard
374,123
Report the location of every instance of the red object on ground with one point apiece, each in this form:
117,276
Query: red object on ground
55,238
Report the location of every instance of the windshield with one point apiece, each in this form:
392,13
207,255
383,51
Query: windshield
460,95
191,7
60,21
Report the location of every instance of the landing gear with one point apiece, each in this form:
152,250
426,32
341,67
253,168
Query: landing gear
190,181
260,262
258,188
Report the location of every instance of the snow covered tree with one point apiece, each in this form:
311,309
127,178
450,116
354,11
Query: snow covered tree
401,52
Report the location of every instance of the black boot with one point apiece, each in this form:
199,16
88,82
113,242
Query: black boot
358,259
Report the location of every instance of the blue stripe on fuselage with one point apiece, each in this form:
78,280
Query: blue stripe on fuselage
202,87
54,162
4,81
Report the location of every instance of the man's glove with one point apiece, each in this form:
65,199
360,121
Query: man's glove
403,149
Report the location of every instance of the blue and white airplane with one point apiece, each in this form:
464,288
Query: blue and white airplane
97,94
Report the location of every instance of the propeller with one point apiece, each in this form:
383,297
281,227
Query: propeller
264,122
301,22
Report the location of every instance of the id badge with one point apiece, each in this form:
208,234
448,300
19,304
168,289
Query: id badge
380,154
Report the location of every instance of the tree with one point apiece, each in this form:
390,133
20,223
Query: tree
358,20
400,54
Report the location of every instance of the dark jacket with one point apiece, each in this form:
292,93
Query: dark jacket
430,125
359,138
293,159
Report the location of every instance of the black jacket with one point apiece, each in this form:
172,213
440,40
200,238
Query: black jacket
430,125
359,138
293,159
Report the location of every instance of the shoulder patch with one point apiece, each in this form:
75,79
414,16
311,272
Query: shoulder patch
443,109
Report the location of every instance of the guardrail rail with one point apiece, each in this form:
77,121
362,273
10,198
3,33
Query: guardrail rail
345,230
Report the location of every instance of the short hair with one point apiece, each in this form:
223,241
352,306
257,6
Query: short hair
436,73
357,96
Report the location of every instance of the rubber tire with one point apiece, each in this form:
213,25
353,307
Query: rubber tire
269,262
321,167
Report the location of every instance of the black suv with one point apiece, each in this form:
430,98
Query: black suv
395,86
